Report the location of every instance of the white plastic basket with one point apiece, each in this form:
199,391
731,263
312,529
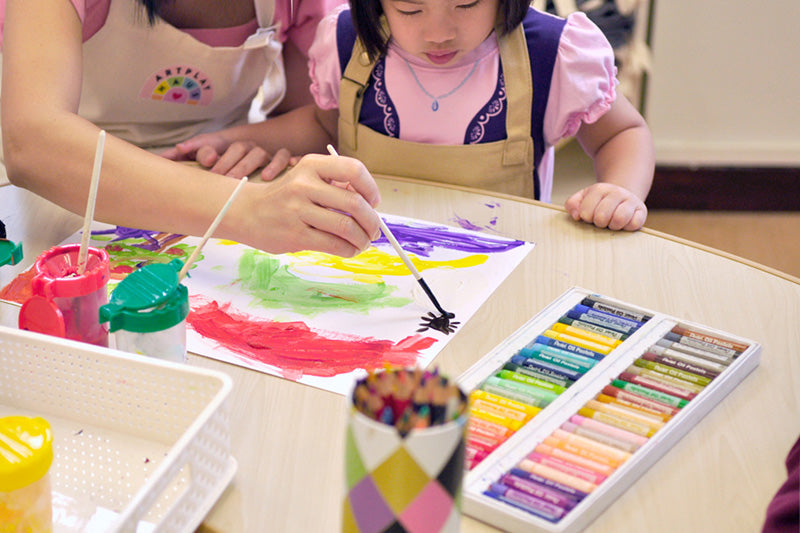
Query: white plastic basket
145,439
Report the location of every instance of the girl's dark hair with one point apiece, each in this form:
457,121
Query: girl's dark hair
367,22
152,7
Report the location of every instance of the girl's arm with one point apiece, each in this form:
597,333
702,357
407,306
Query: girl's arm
621,147
240,150
49,149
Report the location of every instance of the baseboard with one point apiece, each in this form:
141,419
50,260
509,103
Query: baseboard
725,189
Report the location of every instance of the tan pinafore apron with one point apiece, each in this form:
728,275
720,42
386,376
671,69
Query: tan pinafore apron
157,85
503,166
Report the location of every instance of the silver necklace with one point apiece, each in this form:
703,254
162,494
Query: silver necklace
435,103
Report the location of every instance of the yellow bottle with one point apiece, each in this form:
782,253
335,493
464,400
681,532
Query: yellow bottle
26,453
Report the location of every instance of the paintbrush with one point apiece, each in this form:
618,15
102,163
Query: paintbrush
211,229
437,323
83,251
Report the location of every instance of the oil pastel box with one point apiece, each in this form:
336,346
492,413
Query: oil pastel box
650,380
139,444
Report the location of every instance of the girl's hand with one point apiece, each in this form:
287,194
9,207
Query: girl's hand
607,206
231,158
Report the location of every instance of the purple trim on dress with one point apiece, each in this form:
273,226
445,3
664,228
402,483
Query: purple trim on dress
378,112
489,124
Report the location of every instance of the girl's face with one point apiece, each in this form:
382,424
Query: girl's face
440,31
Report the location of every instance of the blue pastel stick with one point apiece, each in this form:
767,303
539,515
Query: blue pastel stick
573,348
546,368
601,318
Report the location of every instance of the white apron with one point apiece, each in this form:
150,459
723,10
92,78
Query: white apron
156,85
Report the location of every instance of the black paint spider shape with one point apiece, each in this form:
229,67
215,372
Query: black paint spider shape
441,323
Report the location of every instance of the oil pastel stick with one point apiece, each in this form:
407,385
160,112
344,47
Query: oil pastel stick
485,444
526,502
589,447
600,437
569,347
479,394
534,372
623,422
615,309
488,430
593,328
533,382
561,488
473,457
519,391
578,341
496,418
672,371
560,327
624,397
548,494
562,358
614,431
701,345
655,422
604,398
664,346
575,459
718,341
544,367
664,378
681,364
503,410
647,392
556,475
567,467
647,382
601,318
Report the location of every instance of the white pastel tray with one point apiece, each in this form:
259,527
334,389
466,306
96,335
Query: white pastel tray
142,441
507,455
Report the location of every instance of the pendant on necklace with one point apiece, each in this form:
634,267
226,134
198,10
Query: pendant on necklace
435,105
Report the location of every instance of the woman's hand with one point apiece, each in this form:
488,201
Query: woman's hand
231,158
607,206
309,209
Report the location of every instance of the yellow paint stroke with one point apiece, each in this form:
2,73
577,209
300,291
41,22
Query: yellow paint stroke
227,242
371,265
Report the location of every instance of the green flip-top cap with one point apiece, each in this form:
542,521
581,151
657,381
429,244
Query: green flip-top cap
10,252
145,288
166,315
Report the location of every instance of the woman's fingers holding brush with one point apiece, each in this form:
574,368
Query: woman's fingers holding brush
309,211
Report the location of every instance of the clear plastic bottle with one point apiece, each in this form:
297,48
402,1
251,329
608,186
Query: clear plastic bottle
26,453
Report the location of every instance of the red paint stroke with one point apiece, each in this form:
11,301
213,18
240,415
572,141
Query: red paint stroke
19,290
294,348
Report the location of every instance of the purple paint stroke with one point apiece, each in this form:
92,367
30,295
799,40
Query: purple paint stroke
492,205
466,224
123,233
423,240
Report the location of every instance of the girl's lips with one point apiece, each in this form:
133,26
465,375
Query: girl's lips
439,58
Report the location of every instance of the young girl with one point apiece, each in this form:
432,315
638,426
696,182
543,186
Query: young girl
471,92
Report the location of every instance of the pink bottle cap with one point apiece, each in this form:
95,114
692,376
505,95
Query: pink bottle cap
57,272
42,316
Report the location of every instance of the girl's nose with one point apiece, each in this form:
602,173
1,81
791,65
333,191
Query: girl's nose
439,28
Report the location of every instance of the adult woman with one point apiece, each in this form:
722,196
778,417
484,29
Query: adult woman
71,67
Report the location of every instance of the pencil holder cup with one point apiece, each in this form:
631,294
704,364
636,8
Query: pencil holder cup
147,312
65,303
26,453
402,483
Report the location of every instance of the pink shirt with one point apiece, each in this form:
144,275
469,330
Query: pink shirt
582,89
297,25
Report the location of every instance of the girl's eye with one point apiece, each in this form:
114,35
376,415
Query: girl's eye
469,5
409,13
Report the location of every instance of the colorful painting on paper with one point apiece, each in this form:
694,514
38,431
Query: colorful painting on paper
316,318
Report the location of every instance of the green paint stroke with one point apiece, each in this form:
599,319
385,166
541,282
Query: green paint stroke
274,287
125,255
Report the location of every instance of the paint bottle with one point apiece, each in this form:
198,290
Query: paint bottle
9,252
147,312
65,303
26,453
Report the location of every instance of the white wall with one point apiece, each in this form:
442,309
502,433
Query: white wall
725,85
